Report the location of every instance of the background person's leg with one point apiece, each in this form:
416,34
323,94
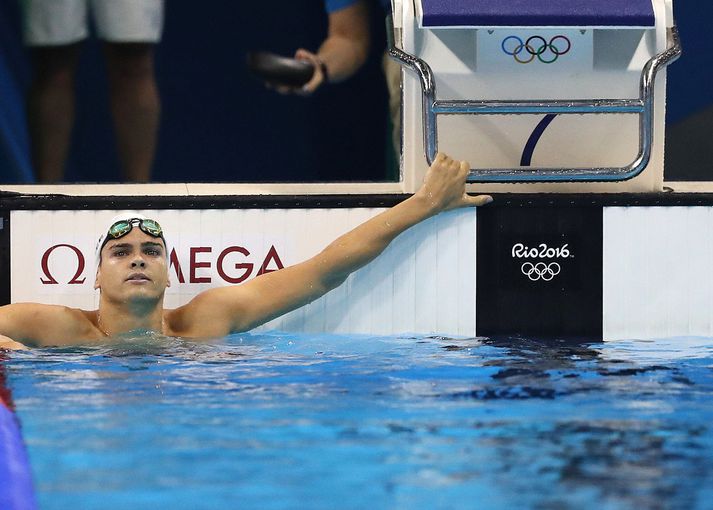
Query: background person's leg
51,109
53,30
130,29
135,105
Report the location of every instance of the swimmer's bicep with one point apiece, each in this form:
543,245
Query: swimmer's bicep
246,306
274,294
203,316
215,312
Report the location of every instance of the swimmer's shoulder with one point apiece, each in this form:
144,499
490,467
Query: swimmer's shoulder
42,312
43,324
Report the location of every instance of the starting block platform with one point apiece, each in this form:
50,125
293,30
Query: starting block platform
537,91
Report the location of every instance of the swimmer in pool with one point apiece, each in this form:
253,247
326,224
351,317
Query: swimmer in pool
132,276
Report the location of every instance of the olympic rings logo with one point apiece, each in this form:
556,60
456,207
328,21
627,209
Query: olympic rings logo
540,271
536,46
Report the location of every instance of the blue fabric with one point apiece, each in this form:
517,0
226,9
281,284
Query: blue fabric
335,5
17,492
534,13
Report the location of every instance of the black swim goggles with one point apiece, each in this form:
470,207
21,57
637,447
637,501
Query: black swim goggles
123,227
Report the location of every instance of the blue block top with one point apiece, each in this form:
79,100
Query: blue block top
538,13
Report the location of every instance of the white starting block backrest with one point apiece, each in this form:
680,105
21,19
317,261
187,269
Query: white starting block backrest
556,92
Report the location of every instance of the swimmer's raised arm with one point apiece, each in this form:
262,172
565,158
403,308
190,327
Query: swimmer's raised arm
244,307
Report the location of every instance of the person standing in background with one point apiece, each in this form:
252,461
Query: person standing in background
392,74
130,29
341,55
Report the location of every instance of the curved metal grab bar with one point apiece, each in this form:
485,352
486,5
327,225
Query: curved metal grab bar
644,106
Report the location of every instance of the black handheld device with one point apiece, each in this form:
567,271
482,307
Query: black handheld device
278,70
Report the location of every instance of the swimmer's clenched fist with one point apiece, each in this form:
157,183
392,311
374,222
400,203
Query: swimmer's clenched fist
132,277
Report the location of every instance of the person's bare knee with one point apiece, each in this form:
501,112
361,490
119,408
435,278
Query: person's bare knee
129,61
54,66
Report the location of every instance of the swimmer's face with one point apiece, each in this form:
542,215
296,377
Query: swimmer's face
133,266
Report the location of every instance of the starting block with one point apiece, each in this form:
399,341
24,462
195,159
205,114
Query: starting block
537,91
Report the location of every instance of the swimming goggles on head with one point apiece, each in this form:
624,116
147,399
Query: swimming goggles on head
123,227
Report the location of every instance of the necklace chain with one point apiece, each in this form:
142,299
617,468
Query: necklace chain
99,324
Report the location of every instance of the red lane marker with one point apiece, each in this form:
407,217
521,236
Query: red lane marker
5,395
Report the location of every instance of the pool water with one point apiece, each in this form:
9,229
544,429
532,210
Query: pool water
273,421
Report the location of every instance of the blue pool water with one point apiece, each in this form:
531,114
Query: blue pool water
277,421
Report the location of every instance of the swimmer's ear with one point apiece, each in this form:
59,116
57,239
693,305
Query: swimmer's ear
96,279
168,282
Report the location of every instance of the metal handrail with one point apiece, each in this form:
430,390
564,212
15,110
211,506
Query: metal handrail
643,106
